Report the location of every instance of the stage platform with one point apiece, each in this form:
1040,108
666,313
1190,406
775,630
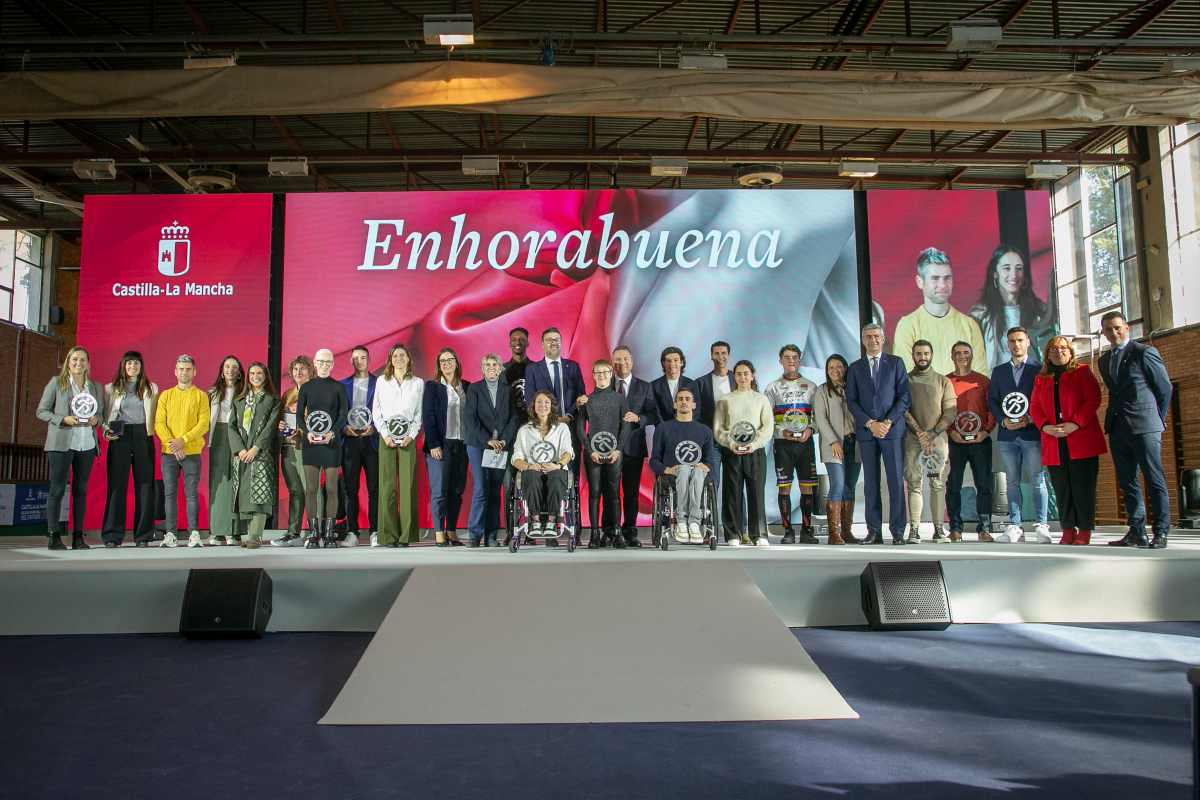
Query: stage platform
130,590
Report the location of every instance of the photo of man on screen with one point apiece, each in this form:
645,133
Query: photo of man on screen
936,320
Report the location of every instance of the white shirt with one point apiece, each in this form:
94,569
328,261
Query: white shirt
361,385
528,436
454,409
562,374
226,409
398,399
722,386
672,386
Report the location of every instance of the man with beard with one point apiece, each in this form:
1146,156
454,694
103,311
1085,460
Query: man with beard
935,320
926,446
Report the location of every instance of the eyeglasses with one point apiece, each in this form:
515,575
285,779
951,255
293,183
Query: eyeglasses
322,360
601,372
447,360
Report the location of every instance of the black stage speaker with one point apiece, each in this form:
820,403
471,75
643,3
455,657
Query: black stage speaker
226,603
905,596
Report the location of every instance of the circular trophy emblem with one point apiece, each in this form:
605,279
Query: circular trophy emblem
742,432
796,421
968,424
359,418
398,426
603,442
932,462
1015,405
289,424
319,422
687,452
543,453
518,390
84,406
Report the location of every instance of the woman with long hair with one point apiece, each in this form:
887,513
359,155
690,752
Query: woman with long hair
321,414
743,425
839,449
1008,301
396,413
541,455
129,431
442,407
1064,406
72,405
229,384
251,432
290,448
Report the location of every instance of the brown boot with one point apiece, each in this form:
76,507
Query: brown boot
848,522
834,512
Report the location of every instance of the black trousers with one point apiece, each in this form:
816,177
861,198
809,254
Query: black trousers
631,487
134,449
358,455
544,491
979,457
603,483
743,480
1074,485
74,466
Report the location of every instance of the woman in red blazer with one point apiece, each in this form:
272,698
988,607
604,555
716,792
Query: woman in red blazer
1066,397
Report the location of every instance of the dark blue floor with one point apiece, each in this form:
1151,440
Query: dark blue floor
982,711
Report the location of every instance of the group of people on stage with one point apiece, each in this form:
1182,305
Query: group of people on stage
538,420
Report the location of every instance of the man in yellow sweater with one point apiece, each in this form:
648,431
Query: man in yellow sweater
935,320
181,423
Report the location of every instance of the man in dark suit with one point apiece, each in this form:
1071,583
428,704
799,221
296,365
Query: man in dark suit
712,387
633,449
560,376
491,424
1139,396
360,446
877,394
672,380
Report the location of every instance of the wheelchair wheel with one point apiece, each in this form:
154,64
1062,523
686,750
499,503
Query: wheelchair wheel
570,543
664,541
514,543
659,516
712,542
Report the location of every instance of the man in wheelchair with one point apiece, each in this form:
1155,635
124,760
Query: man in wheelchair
540,455
684,450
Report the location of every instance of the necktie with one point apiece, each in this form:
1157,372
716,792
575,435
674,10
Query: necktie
556,384
1116,362
874,368
624,389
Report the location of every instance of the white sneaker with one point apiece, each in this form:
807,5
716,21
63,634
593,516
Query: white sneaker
694,534
216,541
681,532
1040,535
1011,533
194,540
762,541
351,539
374,539
734,543
288,540
169,540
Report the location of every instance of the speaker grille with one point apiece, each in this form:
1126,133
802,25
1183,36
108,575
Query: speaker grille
911,592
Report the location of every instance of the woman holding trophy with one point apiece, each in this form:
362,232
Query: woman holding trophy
396,413
129,430
290,449
320,415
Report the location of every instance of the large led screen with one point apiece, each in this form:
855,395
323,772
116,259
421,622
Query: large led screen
172,274
648,269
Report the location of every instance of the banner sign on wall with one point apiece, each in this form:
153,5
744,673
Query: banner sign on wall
173,274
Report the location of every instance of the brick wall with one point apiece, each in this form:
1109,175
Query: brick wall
1180,350
25,368
66,290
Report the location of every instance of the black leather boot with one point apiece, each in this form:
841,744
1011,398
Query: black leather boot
312,538
618,541
330,531
593,539
78,542
56,542
785,516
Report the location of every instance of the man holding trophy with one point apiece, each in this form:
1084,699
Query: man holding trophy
932,412
791,398
360,447
970,443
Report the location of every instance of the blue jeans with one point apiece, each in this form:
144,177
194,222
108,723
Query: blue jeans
843,476
484,519
171,468
1131,452
1022,463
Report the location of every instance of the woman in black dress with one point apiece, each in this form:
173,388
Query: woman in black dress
321,413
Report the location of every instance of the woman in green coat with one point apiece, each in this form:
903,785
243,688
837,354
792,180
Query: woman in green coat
251,433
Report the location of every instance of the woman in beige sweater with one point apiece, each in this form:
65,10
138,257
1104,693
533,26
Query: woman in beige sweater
742,425
838,449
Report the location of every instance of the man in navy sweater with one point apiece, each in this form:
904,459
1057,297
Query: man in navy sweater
878,395
1139,396
684,449
1018,441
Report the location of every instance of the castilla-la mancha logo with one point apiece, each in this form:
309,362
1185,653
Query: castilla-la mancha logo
174,250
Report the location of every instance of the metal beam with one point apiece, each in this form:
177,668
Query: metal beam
733,15
1152,12
808,15
653,15
510,7
1004,23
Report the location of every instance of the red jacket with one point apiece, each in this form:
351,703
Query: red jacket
1079,396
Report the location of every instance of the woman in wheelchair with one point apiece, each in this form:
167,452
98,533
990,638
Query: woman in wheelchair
541,454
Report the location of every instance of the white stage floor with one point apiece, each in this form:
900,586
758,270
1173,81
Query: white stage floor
130,590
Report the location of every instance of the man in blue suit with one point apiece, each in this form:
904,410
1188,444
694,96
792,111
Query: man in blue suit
1139,396
877,393
490,423
360,446
633,449
560,376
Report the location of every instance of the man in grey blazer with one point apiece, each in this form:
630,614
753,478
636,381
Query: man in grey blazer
1139,396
